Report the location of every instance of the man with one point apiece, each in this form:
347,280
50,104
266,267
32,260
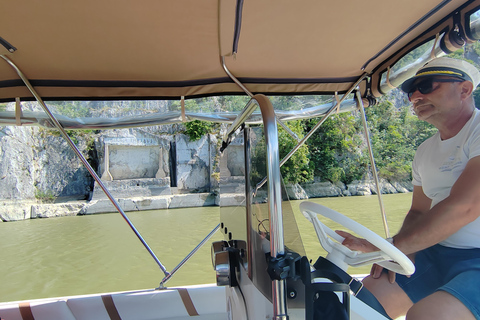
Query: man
441,232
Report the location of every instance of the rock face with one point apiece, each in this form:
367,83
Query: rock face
142,171
17,159
323,189
193,163
35,164
356,188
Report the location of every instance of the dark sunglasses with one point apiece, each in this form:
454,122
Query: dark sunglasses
426,86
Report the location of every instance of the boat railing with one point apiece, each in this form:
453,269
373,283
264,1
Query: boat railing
174,270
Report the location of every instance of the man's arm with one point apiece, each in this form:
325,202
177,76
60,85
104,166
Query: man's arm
420,205
462,206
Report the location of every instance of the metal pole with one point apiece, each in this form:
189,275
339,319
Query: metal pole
287,129
277,246
83,160
372,163
224,65
241,118
169,276
311,132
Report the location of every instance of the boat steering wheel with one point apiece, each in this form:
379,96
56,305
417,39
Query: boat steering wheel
388,255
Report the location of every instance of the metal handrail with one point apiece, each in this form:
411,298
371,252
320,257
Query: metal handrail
170,275
277,246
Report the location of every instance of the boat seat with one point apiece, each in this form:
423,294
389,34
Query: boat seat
36,310
175,304
178,304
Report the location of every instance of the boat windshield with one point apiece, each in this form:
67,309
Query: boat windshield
142,113
260,222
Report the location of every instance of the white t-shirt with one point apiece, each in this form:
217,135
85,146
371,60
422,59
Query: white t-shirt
438,164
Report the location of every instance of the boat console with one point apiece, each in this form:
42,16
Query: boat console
244,262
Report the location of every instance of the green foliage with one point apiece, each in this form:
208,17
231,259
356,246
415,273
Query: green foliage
213,104
233,103
390,137
44,196
339,152
197,129
298,168
76,136
334,148
395,134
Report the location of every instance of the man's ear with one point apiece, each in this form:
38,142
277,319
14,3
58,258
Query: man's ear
467,89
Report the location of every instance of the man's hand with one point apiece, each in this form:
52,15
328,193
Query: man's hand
377,270
355,243
359,244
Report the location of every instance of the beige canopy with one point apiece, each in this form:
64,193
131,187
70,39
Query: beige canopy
131,49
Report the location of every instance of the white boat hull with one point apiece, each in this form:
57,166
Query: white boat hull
206,302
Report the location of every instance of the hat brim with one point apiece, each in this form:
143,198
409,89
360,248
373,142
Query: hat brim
408,84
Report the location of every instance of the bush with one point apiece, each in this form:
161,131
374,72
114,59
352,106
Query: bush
197,129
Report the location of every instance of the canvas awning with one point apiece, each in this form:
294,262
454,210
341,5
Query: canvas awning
100,49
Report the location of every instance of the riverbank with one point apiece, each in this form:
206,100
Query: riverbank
22,210
15,210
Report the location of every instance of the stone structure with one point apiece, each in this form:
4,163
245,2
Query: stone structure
142,171
148,172
133,163
356,188
232,174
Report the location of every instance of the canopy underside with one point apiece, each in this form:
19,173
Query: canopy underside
99,49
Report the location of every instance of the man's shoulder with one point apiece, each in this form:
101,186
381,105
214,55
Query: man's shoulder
429,141
426,147
474,129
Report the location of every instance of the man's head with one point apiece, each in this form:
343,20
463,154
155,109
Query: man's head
441,70
441,94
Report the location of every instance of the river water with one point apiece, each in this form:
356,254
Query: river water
99,253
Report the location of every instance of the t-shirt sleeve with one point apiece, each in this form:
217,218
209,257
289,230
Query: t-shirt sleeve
416,179
474,144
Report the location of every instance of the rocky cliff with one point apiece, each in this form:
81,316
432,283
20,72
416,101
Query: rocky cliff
38,165
40,175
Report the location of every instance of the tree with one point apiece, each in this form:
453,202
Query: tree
335,148
298,168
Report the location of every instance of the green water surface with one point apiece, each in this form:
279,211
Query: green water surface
99,253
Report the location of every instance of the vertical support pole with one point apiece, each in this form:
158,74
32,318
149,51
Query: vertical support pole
277,246
372,163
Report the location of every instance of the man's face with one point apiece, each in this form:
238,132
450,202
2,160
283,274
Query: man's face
435,97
